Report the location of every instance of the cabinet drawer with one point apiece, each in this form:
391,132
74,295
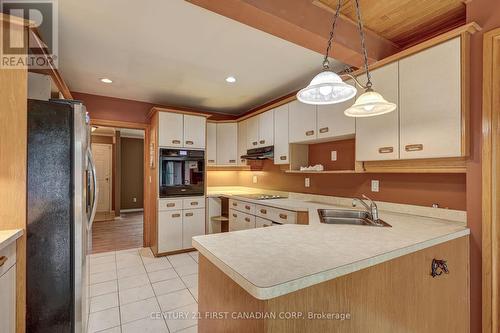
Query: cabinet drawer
192,203
281,216
169,204
263,223
7,257
240,221
242,206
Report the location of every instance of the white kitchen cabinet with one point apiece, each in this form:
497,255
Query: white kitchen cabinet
430,102
242,141
302,122
240,221
377,138
281,146
211,144
227,144
171,129
194,131
262,223
8,301
169,230
193,224
332,123
266,128
252,132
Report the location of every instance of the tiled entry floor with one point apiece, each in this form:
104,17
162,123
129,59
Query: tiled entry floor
126,287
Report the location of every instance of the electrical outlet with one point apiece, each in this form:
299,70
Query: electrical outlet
134,199
375,185
254,179
307,182
334,155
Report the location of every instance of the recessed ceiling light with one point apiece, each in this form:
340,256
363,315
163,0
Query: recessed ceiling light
230,79
106,80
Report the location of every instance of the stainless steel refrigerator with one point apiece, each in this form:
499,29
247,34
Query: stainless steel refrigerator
61,206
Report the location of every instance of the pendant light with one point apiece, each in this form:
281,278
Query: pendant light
327,87
370,103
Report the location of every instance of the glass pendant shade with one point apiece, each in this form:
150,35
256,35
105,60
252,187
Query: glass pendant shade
370,104
326,88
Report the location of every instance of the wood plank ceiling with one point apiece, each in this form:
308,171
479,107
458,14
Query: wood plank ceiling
404,22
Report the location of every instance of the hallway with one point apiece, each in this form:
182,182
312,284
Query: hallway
118,234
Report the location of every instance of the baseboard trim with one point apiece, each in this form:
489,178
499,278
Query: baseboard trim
132,210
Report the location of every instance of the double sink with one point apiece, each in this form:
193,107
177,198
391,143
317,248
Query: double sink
352,217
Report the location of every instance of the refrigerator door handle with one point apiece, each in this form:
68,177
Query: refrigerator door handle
96,190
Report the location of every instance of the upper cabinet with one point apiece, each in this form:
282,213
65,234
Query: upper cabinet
242,141
281,146
302,122
179,130
266,128
252,132
377,138
211,143
430,102
227,144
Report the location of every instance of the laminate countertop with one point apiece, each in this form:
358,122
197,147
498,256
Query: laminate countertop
9,236
274,261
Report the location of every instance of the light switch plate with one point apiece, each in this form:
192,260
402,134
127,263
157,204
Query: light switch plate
307,182
254,179
375,185
334,155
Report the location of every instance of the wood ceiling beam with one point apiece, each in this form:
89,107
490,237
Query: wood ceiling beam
305,24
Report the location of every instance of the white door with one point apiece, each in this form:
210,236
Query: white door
194,131
377,138
252,132
430,97
333,123
242,141
281,146
266,128
211,143
193,224
227,143
103,156
302,120
171,129
169,230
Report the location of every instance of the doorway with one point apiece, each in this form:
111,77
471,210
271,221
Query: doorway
119,155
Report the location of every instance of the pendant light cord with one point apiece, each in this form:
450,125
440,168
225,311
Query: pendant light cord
326,63
363,45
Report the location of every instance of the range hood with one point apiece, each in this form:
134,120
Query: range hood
259,153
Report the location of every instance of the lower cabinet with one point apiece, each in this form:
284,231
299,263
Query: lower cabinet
240,221
193,224
170,231
8,289
246,215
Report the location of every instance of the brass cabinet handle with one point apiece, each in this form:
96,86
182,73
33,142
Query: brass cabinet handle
234,215
247,207
194,203
176,142
189,214
3,259
235,204
247,219
232,161
283,157
263,211
414,147
171,204
255,143
211,161
385,150
176,215
262,141
324,130
283,216
189,142
309,133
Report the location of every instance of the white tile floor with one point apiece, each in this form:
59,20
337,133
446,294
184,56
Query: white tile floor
129,289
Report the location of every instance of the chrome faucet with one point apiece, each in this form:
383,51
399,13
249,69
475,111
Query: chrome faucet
372,208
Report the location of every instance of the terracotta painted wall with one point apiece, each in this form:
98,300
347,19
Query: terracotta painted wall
487,14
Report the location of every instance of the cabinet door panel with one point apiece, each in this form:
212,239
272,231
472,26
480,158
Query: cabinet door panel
171,128
430,95
194,131
252,132
169,230
266,128
242,141
302,122
193,224
281,146
333,123
211,144
377,138
8,301
227,143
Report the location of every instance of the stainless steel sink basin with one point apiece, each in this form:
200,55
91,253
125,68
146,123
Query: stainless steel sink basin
347,216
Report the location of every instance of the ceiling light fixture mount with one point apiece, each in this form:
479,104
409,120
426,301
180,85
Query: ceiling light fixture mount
230,79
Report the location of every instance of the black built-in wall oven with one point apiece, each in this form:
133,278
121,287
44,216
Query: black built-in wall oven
182,172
